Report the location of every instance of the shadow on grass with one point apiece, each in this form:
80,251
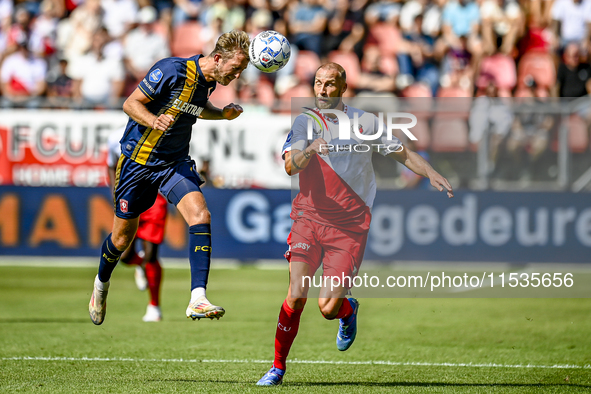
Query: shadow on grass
389,384
42,320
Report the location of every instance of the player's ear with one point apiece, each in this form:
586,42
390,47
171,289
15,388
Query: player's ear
217,58
344,88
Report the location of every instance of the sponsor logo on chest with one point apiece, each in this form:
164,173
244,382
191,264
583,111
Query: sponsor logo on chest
187,108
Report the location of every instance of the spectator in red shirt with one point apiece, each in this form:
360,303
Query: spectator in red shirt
22,77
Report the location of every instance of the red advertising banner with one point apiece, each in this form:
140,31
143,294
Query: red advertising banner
69,148
56,148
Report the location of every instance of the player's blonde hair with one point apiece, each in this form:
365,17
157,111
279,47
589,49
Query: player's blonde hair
230,42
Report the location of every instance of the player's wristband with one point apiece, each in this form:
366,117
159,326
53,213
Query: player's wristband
306,155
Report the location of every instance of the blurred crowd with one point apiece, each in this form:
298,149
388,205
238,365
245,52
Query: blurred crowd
64,53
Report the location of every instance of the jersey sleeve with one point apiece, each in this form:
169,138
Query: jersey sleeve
385,145
297,137
159,80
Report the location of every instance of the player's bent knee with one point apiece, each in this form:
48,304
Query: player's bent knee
203,217
296,303
199,217
122,241
123,237
329,314
329,309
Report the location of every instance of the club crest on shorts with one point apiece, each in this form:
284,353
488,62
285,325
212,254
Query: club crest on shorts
155,76
123,205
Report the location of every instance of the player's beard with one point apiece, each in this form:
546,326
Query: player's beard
219,78
331,103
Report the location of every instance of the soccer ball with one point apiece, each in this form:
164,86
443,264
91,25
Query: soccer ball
269,51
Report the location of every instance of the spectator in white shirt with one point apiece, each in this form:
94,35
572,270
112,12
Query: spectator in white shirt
98,79
571,19
75,33
119,16
142,47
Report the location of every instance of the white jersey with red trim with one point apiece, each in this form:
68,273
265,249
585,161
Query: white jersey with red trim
338,189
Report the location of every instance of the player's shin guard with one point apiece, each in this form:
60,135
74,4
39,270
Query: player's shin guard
109,259
154,276
199,254
287,329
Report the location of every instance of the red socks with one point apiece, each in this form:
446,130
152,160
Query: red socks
345,310
154,277
287,329
135,259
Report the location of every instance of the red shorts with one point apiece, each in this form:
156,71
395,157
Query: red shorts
340,251
151,225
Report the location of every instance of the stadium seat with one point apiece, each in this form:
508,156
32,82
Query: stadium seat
539,66
421,131
501,69
457,104
522,93
186,40
388,65
418,101
223,95
307,62
265,93
350,62
449,134
417,90
301,90
388,38
246,94
578,135
453,91
162,29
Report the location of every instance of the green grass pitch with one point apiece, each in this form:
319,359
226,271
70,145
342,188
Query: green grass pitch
48,344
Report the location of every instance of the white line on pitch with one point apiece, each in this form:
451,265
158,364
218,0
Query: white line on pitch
296,361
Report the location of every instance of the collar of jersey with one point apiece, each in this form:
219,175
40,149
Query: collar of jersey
334,120
199,69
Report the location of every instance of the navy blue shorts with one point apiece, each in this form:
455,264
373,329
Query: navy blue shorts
136,185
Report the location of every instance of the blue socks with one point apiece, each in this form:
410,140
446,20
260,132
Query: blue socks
109,259
199,254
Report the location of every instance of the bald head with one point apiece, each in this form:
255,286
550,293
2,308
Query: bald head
342,75
329,85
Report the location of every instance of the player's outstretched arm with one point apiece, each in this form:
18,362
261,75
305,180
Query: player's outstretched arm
297,160
229,112
420,166
135,108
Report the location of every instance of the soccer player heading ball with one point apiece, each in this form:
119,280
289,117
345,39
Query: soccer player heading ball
331,213
155,156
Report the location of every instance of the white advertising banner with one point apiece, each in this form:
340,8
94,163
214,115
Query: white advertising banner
68,148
